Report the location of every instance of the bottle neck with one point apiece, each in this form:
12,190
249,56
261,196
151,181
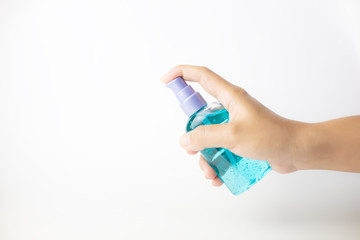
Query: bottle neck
199,110
192,104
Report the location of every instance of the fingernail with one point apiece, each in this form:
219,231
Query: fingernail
185,140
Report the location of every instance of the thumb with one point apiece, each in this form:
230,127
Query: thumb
208,136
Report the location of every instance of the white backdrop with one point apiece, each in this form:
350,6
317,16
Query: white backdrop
89,135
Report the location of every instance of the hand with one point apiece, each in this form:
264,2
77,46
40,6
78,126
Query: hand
253,131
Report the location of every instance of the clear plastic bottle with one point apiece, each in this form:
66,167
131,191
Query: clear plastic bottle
237,173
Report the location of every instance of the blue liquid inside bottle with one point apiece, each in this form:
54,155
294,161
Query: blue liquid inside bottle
237,173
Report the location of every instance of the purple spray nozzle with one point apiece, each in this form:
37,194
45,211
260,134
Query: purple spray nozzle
190,101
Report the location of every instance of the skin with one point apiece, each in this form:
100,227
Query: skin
256,132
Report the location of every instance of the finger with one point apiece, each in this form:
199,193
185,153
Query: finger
192,152
209,136
209,172
209,81
217,182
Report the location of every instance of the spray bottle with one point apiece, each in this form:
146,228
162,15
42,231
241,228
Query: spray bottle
236,172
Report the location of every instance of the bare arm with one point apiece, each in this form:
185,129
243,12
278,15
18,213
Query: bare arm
256,132
330,145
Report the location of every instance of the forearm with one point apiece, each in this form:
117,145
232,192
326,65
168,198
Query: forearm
330,145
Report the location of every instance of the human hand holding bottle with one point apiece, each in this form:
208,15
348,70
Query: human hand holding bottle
256,132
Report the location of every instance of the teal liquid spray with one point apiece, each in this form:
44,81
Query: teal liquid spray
236,172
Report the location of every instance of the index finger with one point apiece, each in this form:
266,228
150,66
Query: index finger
209,81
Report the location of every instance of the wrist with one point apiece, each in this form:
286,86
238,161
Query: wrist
310,149
289,145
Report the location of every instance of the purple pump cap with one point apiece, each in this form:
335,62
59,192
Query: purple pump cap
190,101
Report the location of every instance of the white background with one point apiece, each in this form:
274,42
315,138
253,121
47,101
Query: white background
89,135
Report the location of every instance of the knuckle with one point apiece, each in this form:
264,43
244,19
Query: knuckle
236,91
242,91
232,94
205,69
